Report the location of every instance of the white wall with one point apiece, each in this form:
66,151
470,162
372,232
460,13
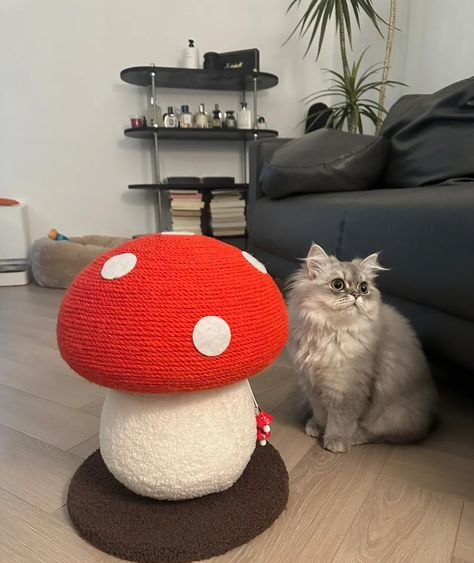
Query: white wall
63,107
440,45
433,47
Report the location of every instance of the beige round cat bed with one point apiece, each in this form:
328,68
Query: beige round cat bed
55,263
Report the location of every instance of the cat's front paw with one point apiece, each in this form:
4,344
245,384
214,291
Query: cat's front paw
336,445
312,429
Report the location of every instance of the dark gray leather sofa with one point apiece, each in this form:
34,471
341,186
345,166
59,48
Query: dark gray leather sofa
426,235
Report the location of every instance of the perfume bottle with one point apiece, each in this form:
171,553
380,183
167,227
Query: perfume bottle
230,121
170,119
216,122
154,116
201,120
261,123
186,118
244,117
191,55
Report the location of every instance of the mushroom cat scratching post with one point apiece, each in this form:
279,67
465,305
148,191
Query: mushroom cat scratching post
174,325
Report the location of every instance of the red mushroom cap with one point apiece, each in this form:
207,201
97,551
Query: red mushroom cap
171,313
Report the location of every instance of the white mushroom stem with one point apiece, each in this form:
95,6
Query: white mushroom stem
178,445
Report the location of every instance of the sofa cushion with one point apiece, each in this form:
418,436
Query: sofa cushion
432,137
326,160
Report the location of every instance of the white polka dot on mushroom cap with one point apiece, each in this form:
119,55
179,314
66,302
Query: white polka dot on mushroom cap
176,233
255,263
211,336
118,266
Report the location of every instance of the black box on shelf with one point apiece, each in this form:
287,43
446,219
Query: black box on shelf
218,181
178,180
247,60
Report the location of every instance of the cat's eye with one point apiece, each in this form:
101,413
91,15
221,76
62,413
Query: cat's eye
338,284
364,288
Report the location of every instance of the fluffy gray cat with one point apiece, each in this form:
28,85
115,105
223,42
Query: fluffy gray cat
360,363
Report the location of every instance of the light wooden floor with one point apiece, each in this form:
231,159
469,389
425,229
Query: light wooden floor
378,503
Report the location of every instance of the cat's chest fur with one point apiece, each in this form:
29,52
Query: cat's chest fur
320,347
332,358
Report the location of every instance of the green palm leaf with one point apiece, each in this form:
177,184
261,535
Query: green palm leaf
317,14
349,93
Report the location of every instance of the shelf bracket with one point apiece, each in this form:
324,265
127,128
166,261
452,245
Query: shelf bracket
254,80
156,157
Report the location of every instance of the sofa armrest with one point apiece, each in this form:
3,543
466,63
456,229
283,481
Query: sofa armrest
260,152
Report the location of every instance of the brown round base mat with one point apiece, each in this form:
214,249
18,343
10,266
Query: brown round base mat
129,526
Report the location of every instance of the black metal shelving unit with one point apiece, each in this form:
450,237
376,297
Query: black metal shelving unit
195,134
200,187
225,80
230,80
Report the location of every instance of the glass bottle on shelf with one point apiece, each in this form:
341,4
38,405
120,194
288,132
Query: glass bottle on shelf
186,118
244,117
230,121
216,121
169,119
201,120
154,115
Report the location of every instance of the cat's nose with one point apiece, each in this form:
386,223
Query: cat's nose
355,294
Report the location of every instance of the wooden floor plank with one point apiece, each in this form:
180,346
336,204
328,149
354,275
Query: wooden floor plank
27,351
44,420
86,448
402,523
273,385
28,535
63,387
34,471
32,294
432,469
30,328
31,300
288,431
327,491
464,548
95,406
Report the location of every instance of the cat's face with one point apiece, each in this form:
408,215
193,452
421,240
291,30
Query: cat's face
343,290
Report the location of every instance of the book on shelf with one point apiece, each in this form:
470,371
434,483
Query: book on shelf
227,213
235,205
226,200
183,213
178,196
186,208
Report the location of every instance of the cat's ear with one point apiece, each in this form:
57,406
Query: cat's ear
371,264
315,260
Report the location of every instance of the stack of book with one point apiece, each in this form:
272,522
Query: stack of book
227,213
186,206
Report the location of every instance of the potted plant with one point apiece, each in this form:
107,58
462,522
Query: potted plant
352,88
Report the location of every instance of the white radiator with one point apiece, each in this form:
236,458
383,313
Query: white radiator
14,245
